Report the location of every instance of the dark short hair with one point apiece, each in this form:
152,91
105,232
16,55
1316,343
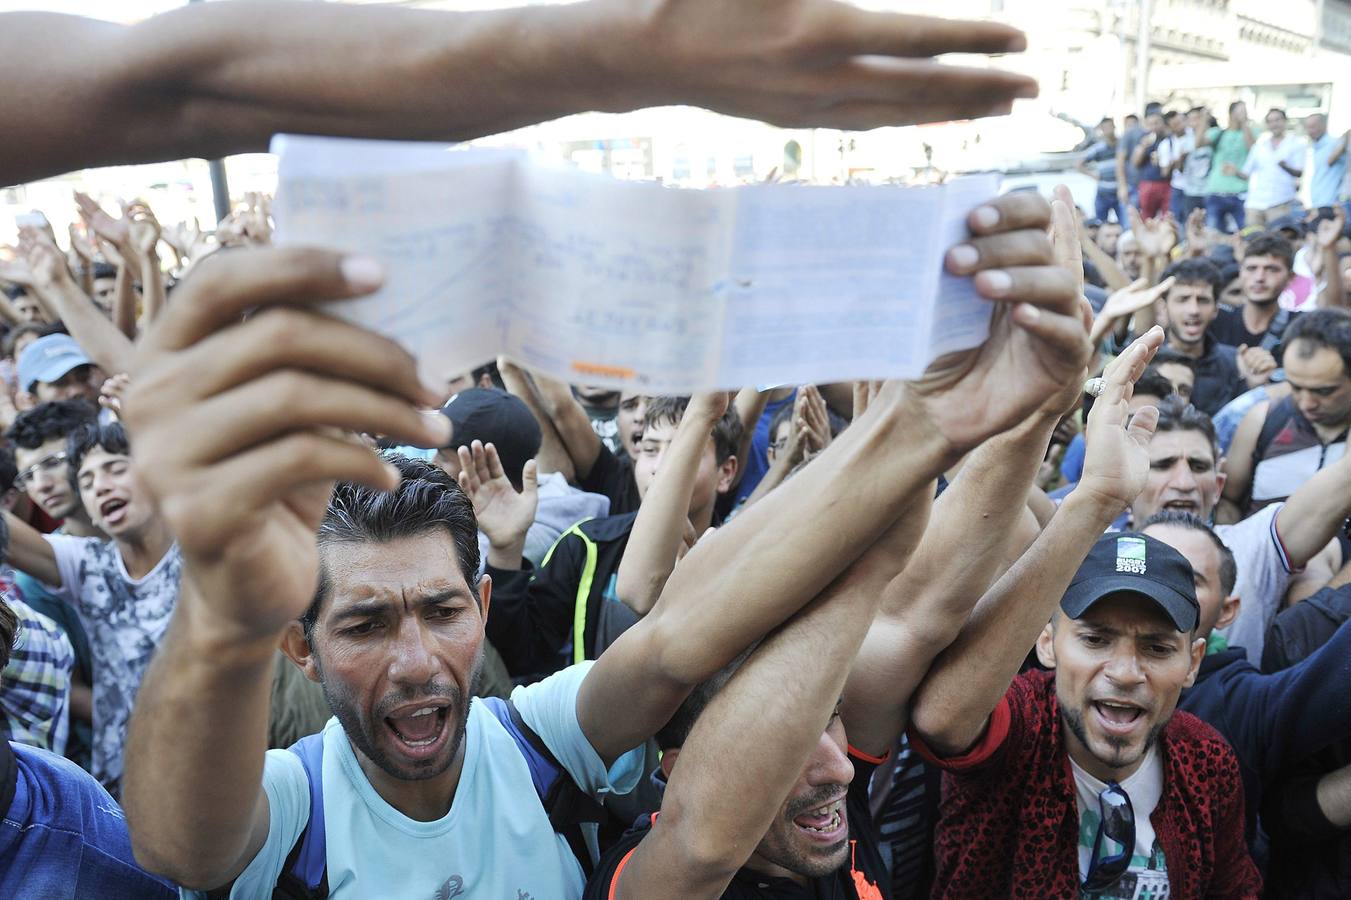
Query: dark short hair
37,329
54,419
1178,415
9,469
673,734
1153,383
1180,519
1271,243
1105,119
112,438
1329,328
1170,115
1153,107
1196,271
1278,111
104,270
1235,105
782,414
1166,355
426,500
726,433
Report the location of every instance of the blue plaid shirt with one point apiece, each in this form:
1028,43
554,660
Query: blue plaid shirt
35,685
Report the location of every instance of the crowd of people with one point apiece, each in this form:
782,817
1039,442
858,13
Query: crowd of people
1064,617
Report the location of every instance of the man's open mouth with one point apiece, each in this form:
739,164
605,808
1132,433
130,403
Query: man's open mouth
828,823
113,510
419,730
1118,716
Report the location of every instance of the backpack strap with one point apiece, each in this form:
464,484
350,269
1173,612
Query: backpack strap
1272,339
571,810
304,875
1279,415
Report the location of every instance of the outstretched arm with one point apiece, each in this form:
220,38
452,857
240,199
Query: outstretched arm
219,454
206,81
810,529
968,679
753,738
650,554
925,606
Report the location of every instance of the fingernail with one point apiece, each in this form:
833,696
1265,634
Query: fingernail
985,217
997,282
437,426
362,273
1028,313
963,257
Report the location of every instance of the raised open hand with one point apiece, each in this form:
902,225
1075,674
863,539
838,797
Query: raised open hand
240,425
813,63
111,229
1157,237
504,513
144,230
1133,298
1196,232
1038,334
81,245
1116,460
46,261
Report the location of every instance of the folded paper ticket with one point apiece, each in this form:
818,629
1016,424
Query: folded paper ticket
590,279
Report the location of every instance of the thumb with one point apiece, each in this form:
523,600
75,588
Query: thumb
1142,425
530,478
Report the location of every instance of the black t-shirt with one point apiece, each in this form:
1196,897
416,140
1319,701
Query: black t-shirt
1228,328
862,877
612,476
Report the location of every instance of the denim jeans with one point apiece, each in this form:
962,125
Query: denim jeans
1220,206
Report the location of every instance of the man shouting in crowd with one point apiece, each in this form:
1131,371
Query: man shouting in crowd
234,424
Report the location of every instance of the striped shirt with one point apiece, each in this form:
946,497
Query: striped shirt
35,685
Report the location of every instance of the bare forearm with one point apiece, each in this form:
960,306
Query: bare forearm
29,551
552,456
750,743
1314,513
195,750
966,681
207,81
1107,267
650,554
152,286
108,347
571,423
750,406
81,702
1333,294
843,502
124,303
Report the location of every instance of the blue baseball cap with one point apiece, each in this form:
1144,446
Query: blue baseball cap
48,358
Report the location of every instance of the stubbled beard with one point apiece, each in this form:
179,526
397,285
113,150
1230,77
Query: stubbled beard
1074,721
361,731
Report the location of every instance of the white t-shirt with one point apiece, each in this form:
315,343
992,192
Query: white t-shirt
1174,148
1147,877
1263,576
496,840
125,619
1268,184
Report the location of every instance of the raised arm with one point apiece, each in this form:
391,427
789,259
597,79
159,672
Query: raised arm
569,421
144,239
1329,233
29,552
108,347
206,81
1313,515
925,606
659,530
552,456
219,453
1238,465
752,741
803,534
968,679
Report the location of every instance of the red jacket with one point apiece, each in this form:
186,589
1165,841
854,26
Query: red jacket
1009,817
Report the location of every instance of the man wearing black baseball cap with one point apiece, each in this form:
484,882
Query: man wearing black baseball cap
1084,779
